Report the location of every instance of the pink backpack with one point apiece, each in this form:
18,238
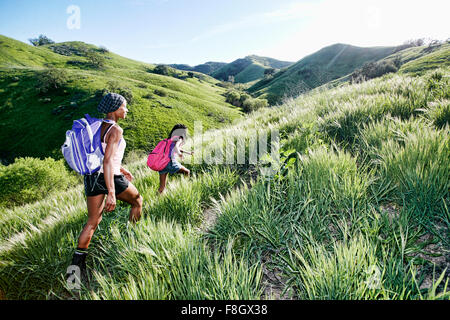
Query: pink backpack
160,157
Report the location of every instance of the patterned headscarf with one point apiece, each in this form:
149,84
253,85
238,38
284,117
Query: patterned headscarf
110,103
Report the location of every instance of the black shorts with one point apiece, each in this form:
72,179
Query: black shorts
94,184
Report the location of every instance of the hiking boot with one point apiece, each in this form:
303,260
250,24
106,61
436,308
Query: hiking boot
76,272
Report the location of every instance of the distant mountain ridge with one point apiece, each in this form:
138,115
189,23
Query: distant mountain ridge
314,70
249,68
242,70
206,68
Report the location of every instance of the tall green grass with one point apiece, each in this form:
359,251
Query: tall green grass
160,260
350,220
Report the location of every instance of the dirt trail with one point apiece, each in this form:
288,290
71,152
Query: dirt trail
272,279
274,283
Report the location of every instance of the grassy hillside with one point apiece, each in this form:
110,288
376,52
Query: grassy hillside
427,59
248,69
158,102
361,211
325,65
206,68
411,60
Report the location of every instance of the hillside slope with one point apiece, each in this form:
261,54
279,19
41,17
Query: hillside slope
360,214
248,69
325,65
34,123
206,68
411,60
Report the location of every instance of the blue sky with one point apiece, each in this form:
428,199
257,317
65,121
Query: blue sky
196,31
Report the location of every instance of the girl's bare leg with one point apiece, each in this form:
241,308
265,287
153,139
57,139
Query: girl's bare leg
162,182
131,195
184,171
95,208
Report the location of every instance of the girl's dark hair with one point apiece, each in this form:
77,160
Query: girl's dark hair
178,126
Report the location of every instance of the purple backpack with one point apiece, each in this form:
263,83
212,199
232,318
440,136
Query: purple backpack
83,149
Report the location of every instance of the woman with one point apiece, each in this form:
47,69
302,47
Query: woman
112,180
175,150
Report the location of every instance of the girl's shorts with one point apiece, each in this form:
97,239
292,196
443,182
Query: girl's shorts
95,184
172,167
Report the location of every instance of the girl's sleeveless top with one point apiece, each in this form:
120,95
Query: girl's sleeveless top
118,156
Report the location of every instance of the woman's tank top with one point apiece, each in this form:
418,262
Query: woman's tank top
118,156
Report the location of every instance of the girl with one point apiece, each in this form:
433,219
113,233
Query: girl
112,180
175,150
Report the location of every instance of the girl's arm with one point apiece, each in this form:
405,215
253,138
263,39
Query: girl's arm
127,174
112,142
190,153
176,148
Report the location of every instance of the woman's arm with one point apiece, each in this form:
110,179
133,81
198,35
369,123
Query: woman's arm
176,148
127,174
190,153
112,141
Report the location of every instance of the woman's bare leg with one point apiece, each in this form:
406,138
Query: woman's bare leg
162,182
131,195
184,171
95,208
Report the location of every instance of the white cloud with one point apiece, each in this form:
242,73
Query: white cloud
288,12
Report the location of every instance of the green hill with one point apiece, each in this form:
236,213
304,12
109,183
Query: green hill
248,69
206,68
325,65
358,212
409,60
34,123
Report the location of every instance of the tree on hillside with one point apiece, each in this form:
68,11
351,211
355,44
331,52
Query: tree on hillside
269,71
103,49
433,44
51,79
161,69
41,40
96,60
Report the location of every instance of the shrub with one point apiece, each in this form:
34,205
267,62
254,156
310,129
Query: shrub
160,93
41,40
244,100
67,50
250,104
51,79
127,93
164,70
233,97
30,179
95,60
373,70
103,49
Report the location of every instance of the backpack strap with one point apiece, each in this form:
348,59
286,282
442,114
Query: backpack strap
106,132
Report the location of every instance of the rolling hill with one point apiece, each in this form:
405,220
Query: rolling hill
34,122
325,65
358,212
410,60
248,69
206,68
